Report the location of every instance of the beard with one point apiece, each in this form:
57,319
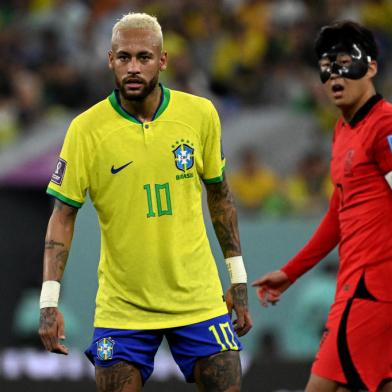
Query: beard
139,95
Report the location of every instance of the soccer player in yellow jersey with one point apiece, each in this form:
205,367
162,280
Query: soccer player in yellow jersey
142,155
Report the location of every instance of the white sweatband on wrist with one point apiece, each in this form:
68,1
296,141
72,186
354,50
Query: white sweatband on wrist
236,268
50,294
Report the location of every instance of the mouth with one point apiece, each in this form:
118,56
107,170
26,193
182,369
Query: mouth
133,83
337,90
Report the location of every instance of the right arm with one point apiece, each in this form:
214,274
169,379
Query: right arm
57,245
324,240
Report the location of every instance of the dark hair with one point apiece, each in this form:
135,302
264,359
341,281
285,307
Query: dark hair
346,32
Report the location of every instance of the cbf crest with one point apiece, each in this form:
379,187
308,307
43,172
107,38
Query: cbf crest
105,349
183,155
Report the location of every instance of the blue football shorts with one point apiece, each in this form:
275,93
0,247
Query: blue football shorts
187,344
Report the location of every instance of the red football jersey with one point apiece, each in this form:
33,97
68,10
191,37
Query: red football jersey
360,215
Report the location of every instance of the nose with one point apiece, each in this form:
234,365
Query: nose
335,70
133,67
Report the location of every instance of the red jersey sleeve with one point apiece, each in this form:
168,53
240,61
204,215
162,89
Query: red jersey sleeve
382,147
324,240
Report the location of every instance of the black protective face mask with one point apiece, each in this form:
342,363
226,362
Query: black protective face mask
346,61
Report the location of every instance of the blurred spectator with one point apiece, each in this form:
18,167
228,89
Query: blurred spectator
252,183
309,188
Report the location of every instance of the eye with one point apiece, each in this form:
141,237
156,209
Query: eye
144,57
324,65
344,60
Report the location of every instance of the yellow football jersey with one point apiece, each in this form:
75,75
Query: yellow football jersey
156,267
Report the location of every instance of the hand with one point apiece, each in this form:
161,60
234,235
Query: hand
237,299
51,329
271,286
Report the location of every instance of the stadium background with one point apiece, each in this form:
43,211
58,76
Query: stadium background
254,59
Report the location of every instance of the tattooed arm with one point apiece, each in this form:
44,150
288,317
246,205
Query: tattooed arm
224,219
57,245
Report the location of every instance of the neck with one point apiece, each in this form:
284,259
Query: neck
145,108
350,111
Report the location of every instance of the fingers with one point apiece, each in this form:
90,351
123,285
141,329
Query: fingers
51,329
268,296
243,324
260,282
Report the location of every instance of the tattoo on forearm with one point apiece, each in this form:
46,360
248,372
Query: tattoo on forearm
240,294
61,259
115,378
51,244
224,218
221,372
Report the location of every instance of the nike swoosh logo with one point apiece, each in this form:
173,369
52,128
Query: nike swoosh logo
116,170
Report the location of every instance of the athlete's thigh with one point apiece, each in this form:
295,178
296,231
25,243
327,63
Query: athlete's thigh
120,377
219,373
321,384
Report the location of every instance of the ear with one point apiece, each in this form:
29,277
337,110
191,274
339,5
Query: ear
163,61
372,70
110,59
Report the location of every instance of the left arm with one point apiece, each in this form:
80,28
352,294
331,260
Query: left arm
224,219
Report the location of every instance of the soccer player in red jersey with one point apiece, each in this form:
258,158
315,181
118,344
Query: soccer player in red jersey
356,348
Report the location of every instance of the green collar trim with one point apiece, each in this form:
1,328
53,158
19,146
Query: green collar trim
115,102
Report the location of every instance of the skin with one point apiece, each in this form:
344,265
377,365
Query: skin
136,59
57,245
271,286
224,219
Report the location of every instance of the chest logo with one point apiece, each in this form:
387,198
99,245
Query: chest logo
183,156
115,170
348,163
105,348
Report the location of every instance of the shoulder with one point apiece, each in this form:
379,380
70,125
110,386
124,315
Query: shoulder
94,115
381,114
191,102
381,119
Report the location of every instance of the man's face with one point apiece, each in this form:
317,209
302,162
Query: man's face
136,59
344,91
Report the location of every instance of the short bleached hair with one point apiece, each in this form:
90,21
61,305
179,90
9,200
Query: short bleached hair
138,20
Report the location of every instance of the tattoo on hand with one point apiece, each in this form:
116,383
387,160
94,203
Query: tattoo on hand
240,294
47,318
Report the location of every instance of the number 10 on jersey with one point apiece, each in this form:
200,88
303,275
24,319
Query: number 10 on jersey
160,193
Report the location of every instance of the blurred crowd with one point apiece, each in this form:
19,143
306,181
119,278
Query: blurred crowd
240,53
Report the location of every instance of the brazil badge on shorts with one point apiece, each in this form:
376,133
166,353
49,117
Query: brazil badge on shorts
105,348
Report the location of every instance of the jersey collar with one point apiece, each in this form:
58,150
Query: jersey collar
364,110
116,104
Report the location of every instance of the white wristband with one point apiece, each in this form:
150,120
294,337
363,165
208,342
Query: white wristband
50,294
236,268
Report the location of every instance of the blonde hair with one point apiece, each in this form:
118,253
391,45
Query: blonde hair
138,20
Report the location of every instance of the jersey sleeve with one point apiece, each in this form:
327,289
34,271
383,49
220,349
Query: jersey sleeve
70,179
213,157
323,241
382,147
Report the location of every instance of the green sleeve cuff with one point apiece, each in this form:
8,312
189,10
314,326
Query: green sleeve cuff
64,199
214,180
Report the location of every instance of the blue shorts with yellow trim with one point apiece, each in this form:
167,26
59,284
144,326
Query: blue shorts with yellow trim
187,344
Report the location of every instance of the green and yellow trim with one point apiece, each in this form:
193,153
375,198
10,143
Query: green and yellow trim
115,102
62,198
215,180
